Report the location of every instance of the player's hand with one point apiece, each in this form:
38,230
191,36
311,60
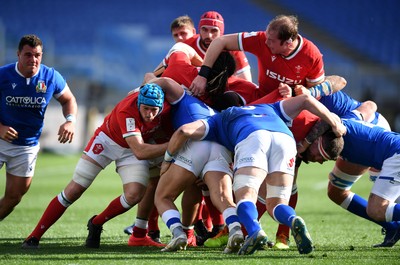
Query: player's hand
300,90
66,132
8,133
338,129
198,86
285,90
301,147
164,167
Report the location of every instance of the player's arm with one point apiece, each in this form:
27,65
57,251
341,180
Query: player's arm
367,109
144,150
316,131
193,130
70,110
226,42
173,91
331,85
246,75
8,133
293,106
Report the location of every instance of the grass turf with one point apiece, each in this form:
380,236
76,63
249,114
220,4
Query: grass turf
339,237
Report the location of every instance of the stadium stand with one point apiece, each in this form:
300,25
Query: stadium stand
113,43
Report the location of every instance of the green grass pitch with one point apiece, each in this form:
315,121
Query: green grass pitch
340,238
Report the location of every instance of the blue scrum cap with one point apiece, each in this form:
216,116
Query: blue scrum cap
151,95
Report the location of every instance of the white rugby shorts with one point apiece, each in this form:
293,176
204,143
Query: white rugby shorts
270,151
387,185
19,160
199,157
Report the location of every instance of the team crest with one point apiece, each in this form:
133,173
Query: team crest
41,87
298,69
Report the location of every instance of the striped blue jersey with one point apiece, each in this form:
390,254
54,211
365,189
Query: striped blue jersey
23,101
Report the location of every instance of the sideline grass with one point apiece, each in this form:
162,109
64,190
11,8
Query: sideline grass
340,237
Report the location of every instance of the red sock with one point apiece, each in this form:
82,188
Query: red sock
113,209
153,220
189,232
52,213
200,211
215,214
261,209
283,229
139,232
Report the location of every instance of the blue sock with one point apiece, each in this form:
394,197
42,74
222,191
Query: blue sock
358,206
284,214
396,213
247,213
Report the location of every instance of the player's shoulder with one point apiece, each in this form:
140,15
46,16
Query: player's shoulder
309,47
7,68
192,41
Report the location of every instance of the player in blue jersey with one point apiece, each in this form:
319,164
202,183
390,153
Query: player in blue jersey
365,145
264,148
26,88
198,160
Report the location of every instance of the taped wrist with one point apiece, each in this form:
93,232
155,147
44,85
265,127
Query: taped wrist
168,157
205,71
322,89
71,118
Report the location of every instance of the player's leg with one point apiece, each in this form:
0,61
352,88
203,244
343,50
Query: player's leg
220,187
84,174
139,235
382,206
190,203
20,164
15,189
171,184
134,174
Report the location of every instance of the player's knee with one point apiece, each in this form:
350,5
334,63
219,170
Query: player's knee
242,180
281,192
134,193
376,213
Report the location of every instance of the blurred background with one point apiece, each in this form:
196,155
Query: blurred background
104,48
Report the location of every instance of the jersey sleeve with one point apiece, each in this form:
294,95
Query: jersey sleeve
59,84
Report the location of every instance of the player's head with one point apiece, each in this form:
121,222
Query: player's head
281,32
326,147
152,97
182,28
226,100
30,52
211,26
223,68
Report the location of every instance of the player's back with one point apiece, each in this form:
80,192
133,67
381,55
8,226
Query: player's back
367,144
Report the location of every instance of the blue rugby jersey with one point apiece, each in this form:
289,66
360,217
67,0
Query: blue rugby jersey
234,124
367,144
23,101
189,109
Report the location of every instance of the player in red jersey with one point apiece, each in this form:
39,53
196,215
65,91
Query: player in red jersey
284,56
124,138
183,72
146,220
211,26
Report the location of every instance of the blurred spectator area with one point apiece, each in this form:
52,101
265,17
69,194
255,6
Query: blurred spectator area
104,48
